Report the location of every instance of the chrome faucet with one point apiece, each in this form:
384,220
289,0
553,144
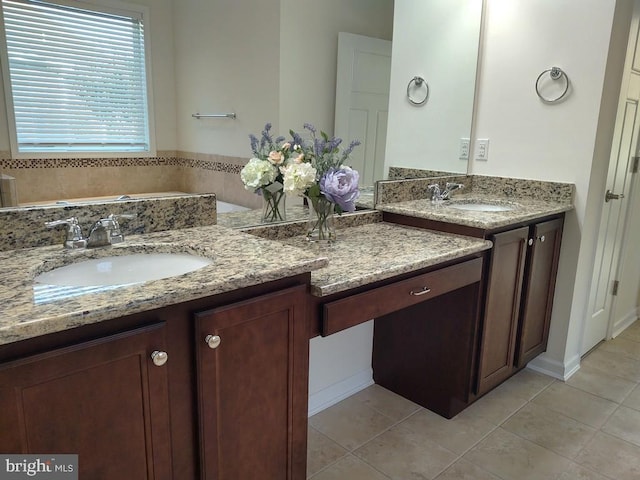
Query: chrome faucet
450,187
437,195
105,231
74,237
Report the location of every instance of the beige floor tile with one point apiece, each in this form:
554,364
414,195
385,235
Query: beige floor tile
496,406
632,332
624,424
550,429
601,384
622,345
403,454
633,400
526,384
577,404
321,451
458,434
386,402
511,457
612,457
350,468
612,363
463,470
350,423
577,472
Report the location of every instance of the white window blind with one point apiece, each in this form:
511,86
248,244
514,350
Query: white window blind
77,78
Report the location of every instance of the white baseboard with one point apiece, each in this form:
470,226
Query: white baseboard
554,368
339,391
623,323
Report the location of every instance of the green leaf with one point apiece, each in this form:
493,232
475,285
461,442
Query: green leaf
314,191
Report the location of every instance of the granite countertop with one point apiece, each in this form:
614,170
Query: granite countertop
240,260
377,251
524,209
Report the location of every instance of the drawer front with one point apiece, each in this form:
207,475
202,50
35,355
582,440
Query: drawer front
347,312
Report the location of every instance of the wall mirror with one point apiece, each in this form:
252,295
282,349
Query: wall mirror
228,56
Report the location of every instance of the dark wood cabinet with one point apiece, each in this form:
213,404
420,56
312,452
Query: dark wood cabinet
237,412
425,352
519,286
252,364
518,301
537,302
502,307
104,400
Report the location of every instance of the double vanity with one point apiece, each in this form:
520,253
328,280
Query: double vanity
205,374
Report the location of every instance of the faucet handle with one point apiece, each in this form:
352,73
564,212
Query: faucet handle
116,235
74,232
435,192
454,186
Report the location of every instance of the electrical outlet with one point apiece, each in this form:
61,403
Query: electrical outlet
464,149
481,152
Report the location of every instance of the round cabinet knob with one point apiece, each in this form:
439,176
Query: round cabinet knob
213,341
530,242
159,358
542,238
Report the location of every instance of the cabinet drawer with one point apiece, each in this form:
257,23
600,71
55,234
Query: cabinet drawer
356,309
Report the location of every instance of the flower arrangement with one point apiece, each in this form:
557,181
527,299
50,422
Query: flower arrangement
318,170
315,169
262,174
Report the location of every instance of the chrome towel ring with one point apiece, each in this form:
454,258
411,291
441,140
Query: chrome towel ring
418,82
555,74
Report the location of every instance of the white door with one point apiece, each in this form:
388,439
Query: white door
619,178
362,101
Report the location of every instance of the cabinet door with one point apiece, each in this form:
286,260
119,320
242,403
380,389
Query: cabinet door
252,376
540,280
502,306
104,400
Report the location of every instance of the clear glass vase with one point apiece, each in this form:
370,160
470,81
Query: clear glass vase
273,206
320,226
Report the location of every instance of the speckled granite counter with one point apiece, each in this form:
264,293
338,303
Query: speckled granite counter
524,209
24,227
240,260
376,251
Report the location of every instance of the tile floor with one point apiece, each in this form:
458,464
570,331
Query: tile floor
530,427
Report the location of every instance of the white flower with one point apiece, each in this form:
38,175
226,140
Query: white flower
257,173
298,177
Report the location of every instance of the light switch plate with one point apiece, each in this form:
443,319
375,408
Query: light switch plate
481,152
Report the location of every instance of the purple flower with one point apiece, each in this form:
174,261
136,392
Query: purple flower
349,149
341,186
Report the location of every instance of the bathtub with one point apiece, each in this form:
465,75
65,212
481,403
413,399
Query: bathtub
104,199
225,207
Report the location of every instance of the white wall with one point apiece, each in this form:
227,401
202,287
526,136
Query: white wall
339,365
267,60
437,40
227,60
569,141
309,48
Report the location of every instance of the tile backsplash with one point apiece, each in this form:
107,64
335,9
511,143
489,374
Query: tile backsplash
38,180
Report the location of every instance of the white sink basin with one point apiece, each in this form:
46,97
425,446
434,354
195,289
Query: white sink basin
122,270
482,207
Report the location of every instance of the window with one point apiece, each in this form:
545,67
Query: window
77,78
